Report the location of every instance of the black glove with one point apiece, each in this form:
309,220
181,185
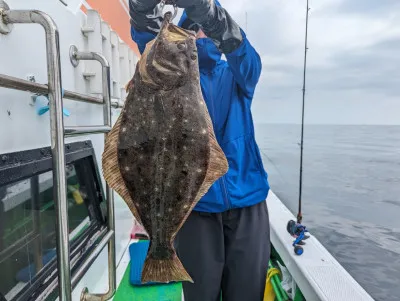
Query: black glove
146,15
215,21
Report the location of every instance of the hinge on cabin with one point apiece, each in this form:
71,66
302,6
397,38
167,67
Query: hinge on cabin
87,29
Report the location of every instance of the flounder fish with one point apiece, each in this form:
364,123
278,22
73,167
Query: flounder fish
161,155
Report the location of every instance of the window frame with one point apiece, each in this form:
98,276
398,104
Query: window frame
22,165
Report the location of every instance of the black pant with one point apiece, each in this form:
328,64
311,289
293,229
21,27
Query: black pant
226,252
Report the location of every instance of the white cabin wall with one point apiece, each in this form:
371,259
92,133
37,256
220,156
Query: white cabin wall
23,53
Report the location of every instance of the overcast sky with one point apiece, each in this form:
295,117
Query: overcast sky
353,73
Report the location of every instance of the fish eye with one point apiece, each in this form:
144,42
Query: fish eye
181,46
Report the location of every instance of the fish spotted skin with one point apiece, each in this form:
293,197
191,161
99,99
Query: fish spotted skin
164,144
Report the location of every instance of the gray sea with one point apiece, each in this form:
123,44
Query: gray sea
351,193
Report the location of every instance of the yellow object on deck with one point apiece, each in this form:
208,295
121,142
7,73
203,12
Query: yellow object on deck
269,293
76,194
78,198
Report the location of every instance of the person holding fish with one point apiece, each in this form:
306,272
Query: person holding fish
225,242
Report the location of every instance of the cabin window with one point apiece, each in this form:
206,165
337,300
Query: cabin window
28,217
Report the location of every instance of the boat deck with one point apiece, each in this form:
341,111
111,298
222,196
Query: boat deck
317,273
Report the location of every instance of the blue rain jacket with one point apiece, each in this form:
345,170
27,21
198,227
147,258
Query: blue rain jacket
228,89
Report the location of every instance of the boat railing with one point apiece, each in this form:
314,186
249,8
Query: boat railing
58,133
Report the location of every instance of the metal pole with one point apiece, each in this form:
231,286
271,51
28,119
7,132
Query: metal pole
57,138
35,204
75,57
92,257
15,83
86,130
299,214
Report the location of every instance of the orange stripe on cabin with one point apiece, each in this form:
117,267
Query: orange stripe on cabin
84,9
113,12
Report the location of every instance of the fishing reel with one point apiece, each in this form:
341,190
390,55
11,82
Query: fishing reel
297,230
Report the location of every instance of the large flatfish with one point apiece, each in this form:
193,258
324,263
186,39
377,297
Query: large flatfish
161,155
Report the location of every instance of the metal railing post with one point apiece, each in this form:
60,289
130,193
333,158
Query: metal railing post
57,136
75,57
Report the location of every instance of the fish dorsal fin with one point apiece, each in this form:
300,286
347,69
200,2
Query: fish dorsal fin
111,171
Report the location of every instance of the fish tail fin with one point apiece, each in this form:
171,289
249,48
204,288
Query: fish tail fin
164,270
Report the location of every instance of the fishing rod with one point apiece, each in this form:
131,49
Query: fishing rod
299,214
297,230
